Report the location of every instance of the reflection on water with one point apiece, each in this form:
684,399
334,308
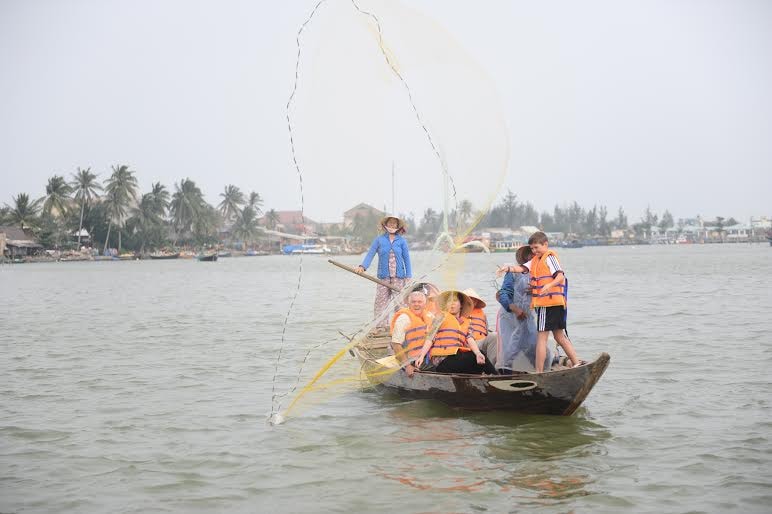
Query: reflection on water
492,453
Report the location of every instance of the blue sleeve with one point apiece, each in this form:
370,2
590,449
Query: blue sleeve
406,257
370,253
507,291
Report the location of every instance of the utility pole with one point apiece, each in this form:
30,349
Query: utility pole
393,205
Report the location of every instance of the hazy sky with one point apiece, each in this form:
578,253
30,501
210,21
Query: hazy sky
662,103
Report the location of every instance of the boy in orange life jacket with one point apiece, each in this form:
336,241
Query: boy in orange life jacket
548,297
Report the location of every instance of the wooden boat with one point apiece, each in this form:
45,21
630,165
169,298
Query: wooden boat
505,246
212,257
159,256
559,391
472,247
574,243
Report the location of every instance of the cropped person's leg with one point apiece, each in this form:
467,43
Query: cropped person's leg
541,350
562,339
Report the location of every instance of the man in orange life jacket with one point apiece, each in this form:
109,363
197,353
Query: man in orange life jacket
408,330
548,284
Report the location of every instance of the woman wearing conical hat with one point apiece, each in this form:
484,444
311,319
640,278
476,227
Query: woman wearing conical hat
449,350
478,323
478,328
393,264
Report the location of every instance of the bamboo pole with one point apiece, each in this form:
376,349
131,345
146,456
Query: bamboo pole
364,275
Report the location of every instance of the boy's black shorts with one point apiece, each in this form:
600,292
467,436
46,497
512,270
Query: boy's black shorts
550,318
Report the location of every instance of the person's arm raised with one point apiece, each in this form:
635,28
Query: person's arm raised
510,269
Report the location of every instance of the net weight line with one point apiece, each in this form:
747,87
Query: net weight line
274,407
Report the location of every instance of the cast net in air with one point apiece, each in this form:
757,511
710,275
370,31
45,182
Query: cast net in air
386,109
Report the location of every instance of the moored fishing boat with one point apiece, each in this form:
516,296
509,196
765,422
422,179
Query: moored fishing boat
163,255
558,392
474,246
211,257
505,246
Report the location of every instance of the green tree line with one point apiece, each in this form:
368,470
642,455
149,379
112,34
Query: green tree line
572,218
117,215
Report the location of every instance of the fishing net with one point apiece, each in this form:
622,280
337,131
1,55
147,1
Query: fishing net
387,108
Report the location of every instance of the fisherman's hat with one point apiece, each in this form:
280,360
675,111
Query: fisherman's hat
401,226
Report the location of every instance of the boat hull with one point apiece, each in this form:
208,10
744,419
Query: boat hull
558,392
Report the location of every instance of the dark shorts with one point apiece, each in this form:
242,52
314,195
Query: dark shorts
550,318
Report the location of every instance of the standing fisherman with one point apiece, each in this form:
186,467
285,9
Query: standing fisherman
393,264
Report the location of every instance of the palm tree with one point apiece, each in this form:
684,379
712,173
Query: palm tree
206,223
147,218
24,213
465,211
5,214
271,219
57,194
121,189
255,201
245,227
160,197
232,201
186,207
85,185
430,223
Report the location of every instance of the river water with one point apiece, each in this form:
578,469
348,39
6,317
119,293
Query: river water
145,386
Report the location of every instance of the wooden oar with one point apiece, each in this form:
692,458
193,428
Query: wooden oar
364,275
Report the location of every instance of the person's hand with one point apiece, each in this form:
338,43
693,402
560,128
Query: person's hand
480,357
359,269
410,370
417,362
502,270
519,313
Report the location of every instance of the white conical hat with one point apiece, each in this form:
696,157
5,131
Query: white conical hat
471,293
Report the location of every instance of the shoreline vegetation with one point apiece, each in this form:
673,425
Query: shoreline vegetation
85,219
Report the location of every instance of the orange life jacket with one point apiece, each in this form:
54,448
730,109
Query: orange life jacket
541,276
415,333
450,338
464,325
478,324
